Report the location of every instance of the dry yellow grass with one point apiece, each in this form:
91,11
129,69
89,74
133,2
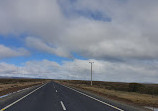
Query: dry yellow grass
141,99
130,97
7,86
12,85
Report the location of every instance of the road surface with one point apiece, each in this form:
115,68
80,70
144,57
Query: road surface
55,97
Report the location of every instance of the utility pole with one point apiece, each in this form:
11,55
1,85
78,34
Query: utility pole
91,71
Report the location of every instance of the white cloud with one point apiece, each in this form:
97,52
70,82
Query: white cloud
7,69
80,69
132,32
60,29
38,44
6,52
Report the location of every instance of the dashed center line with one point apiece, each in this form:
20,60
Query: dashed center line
62,104
56,91
53,85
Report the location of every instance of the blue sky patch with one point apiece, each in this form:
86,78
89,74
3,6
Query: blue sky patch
12,40
69,10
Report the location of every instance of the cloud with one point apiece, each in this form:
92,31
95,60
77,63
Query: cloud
98,30
6,52
7,69
38,44
80,69
130,34
36,16
83,26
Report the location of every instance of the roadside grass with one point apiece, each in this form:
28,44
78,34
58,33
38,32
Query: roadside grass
136,98
12,85
12,81
124,96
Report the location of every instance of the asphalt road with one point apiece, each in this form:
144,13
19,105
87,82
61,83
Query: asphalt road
55,97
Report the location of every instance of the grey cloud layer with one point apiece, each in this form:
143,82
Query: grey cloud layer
42,46
132,33
62,27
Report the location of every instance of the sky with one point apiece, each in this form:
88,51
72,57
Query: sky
58,38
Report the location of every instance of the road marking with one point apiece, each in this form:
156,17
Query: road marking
56,91
95,98
53,85
21,98
62,104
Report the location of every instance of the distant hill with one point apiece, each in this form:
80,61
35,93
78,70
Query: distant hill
7,77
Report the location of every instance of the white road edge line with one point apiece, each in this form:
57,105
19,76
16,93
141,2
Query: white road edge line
62,104
94,98
21,98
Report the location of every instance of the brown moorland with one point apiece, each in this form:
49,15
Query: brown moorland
131,93
12,85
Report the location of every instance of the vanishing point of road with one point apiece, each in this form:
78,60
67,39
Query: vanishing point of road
55,97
